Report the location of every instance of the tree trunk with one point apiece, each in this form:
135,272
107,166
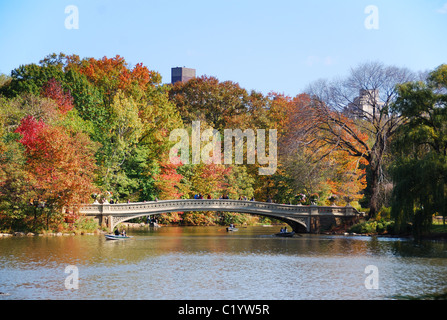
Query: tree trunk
374,204
376,173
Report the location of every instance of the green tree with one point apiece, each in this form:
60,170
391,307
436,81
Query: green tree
420,169
118,141
31,78
159,116
15,191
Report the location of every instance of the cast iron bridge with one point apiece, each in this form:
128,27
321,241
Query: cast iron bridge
302,219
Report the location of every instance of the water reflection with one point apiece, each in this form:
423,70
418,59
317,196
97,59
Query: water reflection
209,263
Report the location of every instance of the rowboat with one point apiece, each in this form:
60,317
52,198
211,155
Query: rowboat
115,237
230,229
285,234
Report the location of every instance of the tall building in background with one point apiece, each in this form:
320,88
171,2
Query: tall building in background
182,74
366,106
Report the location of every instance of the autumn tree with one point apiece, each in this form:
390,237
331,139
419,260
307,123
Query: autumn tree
60,166
360,103
53,90
15,189
136,119
111,75
222,105
168,185
309,163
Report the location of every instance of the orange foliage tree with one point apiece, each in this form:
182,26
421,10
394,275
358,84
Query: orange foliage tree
113,74
315,159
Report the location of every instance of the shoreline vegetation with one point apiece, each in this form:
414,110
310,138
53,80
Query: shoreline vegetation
367,228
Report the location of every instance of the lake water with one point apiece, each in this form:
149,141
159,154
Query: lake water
207,263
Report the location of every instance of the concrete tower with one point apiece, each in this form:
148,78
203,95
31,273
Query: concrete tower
182,74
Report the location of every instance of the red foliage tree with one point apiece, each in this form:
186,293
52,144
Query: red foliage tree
168,181
60,165
30,130
53,90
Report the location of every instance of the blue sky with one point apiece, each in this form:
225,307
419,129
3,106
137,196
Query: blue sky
279,45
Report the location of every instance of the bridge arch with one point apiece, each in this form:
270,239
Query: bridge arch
296,225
